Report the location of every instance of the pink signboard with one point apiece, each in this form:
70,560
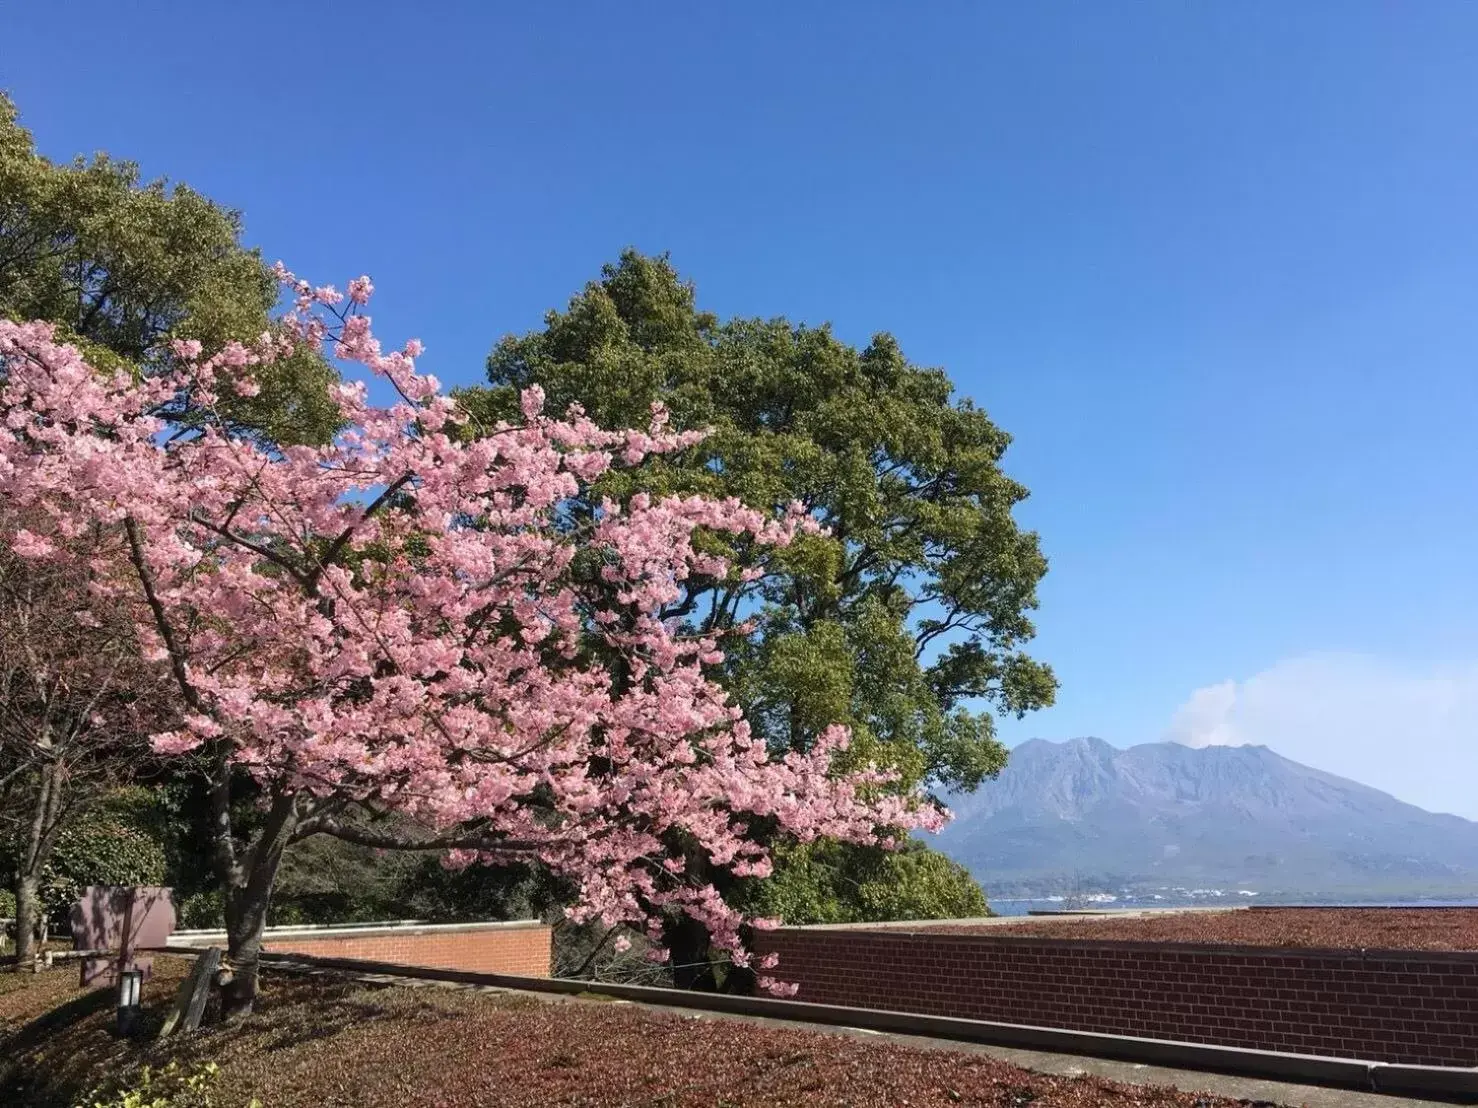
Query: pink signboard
98,923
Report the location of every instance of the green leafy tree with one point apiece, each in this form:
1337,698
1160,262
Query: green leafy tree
908,619
124,267
827,882
327,880
914,608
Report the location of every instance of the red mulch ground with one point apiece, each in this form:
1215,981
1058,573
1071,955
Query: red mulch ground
1330,928
319,1043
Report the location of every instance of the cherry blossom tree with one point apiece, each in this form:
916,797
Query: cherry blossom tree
77,705
405,638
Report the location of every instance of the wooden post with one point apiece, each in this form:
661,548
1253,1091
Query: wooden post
189,1004
125,941
212,960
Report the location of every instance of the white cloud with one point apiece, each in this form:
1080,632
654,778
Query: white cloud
1410,731
1206,718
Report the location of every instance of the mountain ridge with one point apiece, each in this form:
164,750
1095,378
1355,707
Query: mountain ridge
1084,815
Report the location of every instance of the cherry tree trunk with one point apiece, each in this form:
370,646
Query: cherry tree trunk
246,918
687,941
248,897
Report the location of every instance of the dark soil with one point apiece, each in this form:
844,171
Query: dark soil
1329,928
326,1043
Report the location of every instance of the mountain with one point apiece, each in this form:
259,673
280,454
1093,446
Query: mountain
1083,816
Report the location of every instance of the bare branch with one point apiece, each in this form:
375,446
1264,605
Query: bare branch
452,840
255,547
161,619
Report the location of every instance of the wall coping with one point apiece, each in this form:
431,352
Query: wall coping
363,930
1289,953
1007,921
309,926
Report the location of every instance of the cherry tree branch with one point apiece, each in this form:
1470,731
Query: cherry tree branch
451,840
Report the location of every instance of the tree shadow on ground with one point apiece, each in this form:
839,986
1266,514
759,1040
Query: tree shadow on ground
21,1081
43,1027
293,1010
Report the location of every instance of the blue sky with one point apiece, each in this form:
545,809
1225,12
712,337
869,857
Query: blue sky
1214,266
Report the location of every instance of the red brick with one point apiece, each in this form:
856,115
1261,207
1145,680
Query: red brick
522,951
1414,1008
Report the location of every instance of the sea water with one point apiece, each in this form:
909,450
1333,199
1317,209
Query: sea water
1201,898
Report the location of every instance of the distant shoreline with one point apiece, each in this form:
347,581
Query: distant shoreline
1022,905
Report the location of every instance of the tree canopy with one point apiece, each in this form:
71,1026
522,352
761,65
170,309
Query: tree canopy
126,266
907,620
831,882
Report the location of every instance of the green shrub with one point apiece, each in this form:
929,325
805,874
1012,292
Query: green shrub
173,1086
98,849
205,910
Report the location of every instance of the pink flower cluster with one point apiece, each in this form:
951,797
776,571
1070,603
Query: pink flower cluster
410,617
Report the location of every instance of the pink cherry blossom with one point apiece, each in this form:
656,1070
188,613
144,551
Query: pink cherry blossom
30,545
405,619
360,290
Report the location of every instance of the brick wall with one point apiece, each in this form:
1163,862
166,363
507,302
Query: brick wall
1394,1006
516,948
